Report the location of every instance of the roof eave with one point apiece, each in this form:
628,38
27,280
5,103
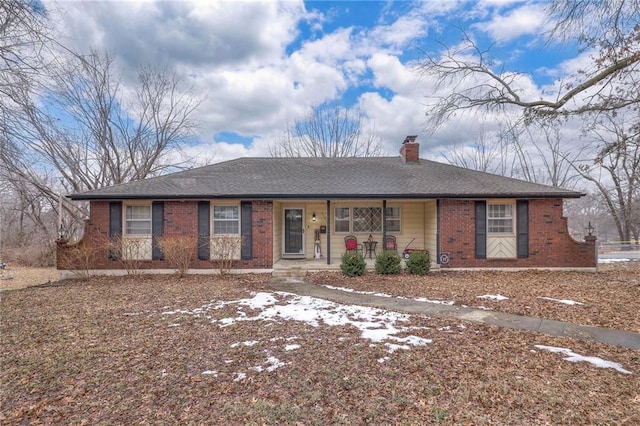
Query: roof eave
113,197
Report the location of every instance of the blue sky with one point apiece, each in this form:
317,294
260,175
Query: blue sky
259,66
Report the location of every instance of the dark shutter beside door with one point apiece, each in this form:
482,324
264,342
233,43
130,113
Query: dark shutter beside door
481,229
157,228
246,225
203,230
115,225
522,212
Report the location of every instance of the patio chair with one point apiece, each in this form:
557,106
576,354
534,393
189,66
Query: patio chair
351,244
390,243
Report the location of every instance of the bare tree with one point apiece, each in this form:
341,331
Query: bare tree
535,152
609,28
488,153
85,130
328,131
615,172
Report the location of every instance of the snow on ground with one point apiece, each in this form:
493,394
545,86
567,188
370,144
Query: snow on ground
493,297
418,299
380,327
564,301
594,360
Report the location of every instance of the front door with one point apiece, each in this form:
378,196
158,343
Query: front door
293,231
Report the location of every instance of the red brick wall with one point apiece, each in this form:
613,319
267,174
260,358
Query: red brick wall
180,218
550,245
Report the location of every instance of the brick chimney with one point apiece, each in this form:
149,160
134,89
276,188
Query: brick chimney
410,150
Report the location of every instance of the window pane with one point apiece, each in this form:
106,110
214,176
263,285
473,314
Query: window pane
226,212
137,220
367,219
500,218
138,212
341,219
393,219
226,220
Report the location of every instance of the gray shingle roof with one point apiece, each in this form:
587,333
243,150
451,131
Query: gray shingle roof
326,178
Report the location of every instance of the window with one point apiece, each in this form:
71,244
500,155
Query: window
500,218
367,219
137,220
392,219
341,219
226,220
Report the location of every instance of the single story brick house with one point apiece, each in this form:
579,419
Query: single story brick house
301,209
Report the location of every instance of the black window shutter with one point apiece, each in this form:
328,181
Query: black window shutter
481,229
115,225
203,230
522,211
246,209
157,228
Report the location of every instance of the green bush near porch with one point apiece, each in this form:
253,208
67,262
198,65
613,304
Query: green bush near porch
419,263
388,263
353,264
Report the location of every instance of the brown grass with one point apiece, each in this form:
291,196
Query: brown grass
100,351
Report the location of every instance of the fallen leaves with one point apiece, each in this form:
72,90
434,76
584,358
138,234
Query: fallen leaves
101,351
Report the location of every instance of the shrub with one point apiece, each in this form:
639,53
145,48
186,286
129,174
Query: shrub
388,263
419,263
178,251
353,264
79,257
224,250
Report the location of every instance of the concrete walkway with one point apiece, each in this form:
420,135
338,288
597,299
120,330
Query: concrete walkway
609,336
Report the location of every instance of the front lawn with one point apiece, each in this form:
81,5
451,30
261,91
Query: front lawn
208,350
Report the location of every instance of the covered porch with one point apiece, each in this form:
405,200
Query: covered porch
310,234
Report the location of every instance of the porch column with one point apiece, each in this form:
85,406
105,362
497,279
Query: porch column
328,232
384,225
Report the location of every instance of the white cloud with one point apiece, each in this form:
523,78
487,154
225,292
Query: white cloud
527,19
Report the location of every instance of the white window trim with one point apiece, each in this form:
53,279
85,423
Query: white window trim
213,219
399,231
335,221
125,220
513,218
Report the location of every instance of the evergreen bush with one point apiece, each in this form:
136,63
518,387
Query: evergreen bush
353,264
388,263
419,263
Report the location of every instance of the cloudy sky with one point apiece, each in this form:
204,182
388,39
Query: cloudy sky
261,65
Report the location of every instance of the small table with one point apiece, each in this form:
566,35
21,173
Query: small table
370,249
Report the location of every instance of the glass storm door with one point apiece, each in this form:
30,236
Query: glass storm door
293,231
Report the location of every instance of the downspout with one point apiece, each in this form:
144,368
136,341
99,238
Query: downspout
438,231
328,232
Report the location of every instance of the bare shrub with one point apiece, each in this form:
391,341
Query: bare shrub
80,258
224,249
130,252
178,251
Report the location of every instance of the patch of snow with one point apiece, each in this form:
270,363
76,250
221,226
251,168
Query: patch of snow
615,260
240,376
274,363
594,360
493,297
247,343
376,325
417,299
210,373
291,347
484,308
563,301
